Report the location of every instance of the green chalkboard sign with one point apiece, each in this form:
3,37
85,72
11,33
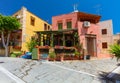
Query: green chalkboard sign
35,53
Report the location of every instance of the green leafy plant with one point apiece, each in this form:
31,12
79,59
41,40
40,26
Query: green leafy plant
79,46
52,55
115,50
78,50
15,54
77,53
31,45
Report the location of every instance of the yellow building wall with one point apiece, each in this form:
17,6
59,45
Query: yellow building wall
29,29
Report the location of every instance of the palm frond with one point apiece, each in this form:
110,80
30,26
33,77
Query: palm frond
115,50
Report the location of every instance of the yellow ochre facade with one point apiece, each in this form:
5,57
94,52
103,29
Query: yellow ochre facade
30,23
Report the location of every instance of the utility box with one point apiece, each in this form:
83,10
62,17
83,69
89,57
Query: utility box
35,54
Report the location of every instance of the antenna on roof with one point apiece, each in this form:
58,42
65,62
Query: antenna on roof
75,7
98,9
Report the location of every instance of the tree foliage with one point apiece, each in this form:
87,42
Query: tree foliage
7,25
115,50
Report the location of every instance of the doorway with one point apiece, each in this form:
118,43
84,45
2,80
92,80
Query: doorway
91,45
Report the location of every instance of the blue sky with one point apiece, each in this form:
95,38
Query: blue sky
45,9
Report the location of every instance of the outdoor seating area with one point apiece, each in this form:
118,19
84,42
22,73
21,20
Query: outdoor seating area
59,53
61,43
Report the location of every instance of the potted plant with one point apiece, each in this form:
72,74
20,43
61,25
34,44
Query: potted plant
52,56
78,54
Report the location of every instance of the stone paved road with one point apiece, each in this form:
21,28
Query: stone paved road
32,71
95,67
5,79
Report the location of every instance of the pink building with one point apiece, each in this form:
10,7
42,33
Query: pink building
88,28
106,34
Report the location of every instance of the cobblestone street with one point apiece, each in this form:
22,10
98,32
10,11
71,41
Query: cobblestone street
95,67
31,71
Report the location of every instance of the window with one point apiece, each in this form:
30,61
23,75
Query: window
32,21
48,27
60,25
104,31
104,45
69,25
45,27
